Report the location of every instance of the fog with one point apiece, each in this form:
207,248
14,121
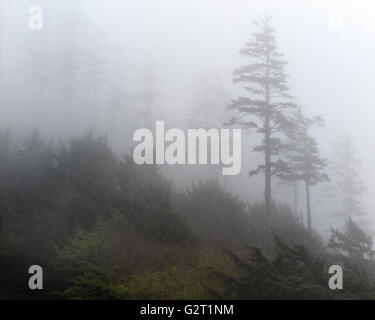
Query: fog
94,55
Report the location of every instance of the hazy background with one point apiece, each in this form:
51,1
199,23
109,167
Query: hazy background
329,46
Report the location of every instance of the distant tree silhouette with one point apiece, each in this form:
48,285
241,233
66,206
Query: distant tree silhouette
148,94
68,57
303,157
210,97
347,184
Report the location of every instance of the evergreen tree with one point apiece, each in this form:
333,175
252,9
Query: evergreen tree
354,246
303,157
266,106
347,186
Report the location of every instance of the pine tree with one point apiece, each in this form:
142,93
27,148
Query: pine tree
353,242
303,157
347,186
354,246
267,104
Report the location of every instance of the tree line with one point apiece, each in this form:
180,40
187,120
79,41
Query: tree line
104,227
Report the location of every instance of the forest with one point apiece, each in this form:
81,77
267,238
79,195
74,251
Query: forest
74,201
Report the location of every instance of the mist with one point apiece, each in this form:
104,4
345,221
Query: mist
113,67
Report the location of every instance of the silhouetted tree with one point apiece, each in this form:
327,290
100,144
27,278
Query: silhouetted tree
347,184
266,106
353,246
303,157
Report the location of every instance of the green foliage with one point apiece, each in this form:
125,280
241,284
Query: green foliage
105,228
285,225
292,274
353,246
214,214
70,196
179,274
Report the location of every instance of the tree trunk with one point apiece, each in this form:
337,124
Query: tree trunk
267,141
267,189
267,158
308,206
295,203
